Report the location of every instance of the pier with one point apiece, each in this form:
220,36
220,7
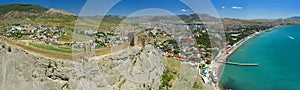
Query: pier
240,64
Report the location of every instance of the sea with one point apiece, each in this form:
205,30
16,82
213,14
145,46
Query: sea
278,54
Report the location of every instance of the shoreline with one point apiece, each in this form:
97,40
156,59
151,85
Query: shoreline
219,67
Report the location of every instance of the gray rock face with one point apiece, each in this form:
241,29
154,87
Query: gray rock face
23,71
129,70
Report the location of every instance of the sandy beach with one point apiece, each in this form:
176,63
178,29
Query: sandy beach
223,55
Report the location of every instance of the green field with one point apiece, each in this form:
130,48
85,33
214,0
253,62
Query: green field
53,48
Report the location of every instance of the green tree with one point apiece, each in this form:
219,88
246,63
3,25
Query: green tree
9,49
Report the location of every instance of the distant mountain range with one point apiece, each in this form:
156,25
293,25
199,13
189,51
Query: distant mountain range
23,10
13,13
295,18
33,11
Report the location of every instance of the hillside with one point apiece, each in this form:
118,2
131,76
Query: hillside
35,14
294,18
22,8
27,10
15,11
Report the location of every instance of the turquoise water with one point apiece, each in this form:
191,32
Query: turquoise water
278,57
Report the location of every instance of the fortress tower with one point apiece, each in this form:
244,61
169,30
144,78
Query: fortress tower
133,38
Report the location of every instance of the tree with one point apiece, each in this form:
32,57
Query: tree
9,49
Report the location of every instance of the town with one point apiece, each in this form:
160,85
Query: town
194,47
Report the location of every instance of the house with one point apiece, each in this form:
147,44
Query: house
180,58
90,32
68,44
170,54
187,41
16,28
234,35
196,34
218,42
202,49
195,58
208,58
234,39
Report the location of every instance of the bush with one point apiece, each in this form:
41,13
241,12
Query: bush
9,49
166,78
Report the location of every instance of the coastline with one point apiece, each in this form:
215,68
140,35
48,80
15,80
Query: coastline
223,55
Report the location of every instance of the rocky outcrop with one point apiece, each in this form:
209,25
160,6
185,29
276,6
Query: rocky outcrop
132,69
53,11
21,70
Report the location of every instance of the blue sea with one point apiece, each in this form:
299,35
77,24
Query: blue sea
278,54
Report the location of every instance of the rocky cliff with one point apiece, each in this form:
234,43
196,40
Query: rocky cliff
126,70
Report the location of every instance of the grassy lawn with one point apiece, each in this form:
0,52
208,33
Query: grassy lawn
52,48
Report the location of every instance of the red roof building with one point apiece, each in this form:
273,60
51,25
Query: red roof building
208,58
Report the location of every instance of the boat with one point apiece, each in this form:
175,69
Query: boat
291,37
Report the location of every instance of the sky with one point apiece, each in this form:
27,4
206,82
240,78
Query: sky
241,9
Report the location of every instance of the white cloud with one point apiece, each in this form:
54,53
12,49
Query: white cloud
237,7
183,10
223,7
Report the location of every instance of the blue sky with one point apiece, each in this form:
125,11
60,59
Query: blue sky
261,9
243,9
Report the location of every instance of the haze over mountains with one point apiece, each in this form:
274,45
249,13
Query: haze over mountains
22,10
18,13
294,18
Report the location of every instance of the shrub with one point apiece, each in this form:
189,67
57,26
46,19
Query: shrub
9,49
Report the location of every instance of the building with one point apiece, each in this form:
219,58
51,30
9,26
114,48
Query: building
88,50
16,28
90,32
235,35
133,39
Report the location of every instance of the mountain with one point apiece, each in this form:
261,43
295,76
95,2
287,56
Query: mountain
192,18
22,8
30,11
113,18
53,11
52,16
294,18
35,14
